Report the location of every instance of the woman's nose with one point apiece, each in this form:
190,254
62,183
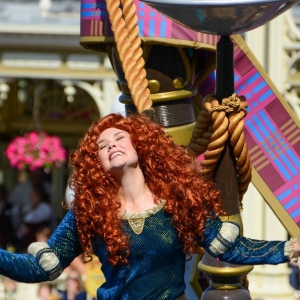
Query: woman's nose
110,146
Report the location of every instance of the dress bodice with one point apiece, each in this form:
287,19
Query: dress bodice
156,263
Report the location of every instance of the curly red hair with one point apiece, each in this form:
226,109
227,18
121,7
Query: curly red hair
170,172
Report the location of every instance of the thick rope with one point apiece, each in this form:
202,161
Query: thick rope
215,124
123,19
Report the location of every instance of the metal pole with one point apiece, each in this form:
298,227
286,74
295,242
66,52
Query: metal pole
227,287
225,172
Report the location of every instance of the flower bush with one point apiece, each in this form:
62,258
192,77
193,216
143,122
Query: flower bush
35,150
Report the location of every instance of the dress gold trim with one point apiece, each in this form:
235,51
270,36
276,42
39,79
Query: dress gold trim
137,220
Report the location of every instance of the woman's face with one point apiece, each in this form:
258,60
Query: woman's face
116,151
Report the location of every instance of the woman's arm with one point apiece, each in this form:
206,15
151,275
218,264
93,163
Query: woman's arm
21,267
45,261
223,240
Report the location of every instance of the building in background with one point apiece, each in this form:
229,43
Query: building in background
48,81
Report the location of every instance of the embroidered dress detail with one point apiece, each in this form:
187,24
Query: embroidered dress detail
46,259
225,238
137,220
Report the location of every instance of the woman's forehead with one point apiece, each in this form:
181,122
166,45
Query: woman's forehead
110,132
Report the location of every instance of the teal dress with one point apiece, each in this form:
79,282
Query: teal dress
156,263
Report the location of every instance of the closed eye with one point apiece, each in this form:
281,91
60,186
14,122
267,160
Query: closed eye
102,147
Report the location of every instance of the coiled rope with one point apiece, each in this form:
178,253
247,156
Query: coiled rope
215,124
123,18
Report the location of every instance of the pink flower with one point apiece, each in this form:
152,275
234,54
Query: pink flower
35,150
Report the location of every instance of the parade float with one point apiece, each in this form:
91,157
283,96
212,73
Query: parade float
185,64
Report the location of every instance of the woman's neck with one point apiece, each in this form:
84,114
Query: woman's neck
134,194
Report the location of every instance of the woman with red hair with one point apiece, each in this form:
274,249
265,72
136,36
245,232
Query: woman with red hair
142,208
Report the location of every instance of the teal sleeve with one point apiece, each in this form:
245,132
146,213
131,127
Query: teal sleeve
255,252
63,243
21,267
242,250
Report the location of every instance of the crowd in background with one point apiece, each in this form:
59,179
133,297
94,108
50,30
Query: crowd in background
27,210
26,216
